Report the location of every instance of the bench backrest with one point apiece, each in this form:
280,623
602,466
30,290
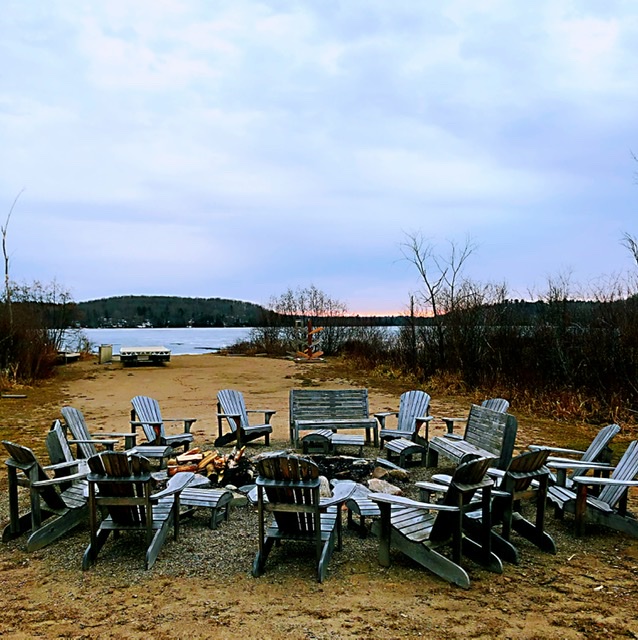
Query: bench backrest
326,404
493,431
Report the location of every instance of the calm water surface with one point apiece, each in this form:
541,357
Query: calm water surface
179,341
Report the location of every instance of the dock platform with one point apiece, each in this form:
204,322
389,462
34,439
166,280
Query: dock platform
146,355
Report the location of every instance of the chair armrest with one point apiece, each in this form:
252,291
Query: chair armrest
381,416
408,502
124,434
153,423
188,422
106,442
536,447
64,465
576,463
340,493
60,480
229,415
594,466
176,484
268,413
591,481
436,486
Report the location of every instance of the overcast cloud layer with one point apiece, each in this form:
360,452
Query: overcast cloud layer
237,148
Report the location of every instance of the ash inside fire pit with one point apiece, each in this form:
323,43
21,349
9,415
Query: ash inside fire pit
344,467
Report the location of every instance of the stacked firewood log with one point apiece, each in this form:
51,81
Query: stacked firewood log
212,464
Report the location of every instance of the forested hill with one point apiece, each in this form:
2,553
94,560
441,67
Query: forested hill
168,311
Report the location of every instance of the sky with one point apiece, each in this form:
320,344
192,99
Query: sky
240,148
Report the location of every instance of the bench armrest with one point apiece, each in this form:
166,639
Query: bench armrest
449,423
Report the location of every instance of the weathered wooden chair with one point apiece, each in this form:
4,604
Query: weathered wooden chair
526,480
60,452
86,443
232,408
598,451
414,407
146,414
488,433
58,504
609,507
120,484
288,488
495,404
411,526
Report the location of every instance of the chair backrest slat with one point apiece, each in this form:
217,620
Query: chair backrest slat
147,411
231,401
76,424
626,469
496,404
412,404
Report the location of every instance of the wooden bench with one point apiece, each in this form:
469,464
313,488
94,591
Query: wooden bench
334,409
325,441
488,433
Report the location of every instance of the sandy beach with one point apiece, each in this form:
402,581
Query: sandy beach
201,585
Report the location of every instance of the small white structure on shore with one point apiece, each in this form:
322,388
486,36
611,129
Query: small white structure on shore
153,355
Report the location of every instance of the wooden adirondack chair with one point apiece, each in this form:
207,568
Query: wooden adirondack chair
598,451
85,442
146,414
495,404
410,526
288,487
487,433
60,452
121,485
526,478
58,504
232,408
609,508
414,407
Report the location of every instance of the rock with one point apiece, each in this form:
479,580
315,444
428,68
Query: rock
238,500
379,472
381,486
399,475
324,488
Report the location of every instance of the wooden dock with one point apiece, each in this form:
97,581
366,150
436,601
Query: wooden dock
148,355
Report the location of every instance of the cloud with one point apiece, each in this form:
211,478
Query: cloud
261,145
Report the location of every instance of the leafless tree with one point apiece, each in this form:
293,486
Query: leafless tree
631,244
7,282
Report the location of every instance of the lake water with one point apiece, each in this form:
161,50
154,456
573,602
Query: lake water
179,341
